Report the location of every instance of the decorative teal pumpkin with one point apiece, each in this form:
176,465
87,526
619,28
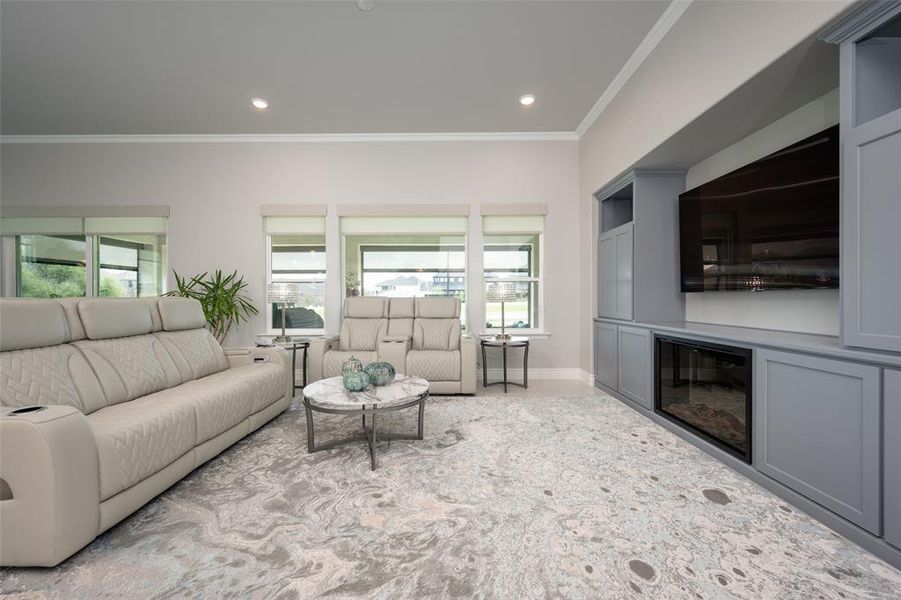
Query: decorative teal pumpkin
355,382
380,373
352,365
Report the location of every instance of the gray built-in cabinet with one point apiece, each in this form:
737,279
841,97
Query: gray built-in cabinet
634,375
817,430
605,354
622,361
638,247
892,456
870,77
615,256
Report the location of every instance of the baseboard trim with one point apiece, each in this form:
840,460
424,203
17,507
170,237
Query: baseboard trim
516,374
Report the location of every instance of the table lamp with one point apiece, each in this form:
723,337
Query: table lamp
282,294
501,292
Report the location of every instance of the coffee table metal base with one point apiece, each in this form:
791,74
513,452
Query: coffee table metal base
369,433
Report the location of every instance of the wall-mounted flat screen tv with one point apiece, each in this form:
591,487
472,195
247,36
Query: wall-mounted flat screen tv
771,225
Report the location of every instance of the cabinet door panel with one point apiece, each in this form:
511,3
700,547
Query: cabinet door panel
605,354
634,365
817,430
892,457
607,275
624,273
871,214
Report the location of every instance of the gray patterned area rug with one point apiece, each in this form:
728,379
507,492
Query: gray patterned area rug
505,498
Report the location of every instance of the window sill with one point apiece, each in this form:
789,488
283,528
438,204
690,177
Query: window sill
532,334
294,332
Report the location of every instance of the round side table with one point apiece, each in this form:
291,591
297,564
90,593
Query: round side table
512,342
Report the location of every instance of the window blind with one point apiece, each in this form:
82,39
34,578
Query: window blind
400,225
82,225
273,225
507,224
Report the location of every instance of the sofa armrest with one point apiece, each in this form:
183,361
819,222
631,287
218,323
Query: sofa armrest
249,355
393,349
50,488
318,348
468,345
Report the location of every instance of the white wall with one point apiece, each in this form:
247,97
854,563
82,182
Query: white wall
808,311
215,189
711,50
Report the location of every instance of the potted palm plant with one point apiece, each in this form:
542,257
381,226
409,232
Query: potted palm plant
223,298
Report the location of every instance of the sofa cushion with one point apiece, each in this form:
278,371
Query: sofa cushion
178,314
195,352
438,307
260,384
436,334
52,375
362,334
130,367
137,439
401,308
434,365
334,359
31,324
365,307
107,318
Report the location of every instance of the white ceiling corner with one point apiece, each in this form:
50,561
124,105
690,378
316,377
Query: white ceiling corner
669,17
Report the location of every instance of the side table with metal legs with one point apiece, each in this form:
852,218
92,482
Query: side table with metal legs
513,342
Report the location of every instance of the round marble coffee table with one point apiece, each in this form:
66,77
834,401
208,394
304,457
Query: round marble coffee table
329,396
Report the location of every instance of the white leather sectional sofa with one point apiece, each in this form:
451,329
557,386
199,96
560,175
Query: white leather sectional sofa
135,395
419,336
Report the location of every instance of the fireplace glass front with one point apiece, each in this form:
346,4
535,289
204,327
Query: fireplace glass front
706,388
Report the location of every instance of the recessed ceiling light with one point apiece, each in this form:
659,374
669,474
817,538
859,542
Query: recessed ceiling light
259,103
365,5
527,100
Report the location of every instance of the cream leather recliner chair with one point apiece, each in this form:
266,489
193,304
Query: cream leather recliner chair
133,394
419,336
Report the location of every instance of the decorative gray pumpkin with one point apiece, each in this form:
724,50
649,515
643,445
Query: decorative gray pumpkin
355,382
380,373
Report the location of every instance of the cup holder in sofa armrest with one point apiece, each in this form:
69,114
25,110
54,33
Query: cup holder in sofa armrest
6,492
24,410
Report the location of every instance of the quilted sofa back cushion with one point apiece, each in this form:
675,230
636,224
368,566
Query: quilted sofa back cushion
51,375
362,334
130,367
436,334
195,352
400,316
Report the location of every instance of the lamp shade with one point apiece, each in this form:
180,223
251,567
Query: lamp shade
502,291
288,293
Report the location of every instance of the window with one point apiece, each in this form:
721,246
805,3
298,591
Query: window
50,266
405,256
296,247
513,255
85,256
129,266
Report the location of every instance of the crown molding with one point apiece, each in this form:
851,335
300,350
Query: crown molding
860,20
302,138
669,17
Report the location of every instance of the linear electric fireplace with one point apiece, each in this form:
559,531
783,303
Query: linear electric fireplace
706,389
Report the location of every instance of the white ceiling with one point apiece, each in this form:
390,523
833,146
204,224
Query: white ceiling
191,67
